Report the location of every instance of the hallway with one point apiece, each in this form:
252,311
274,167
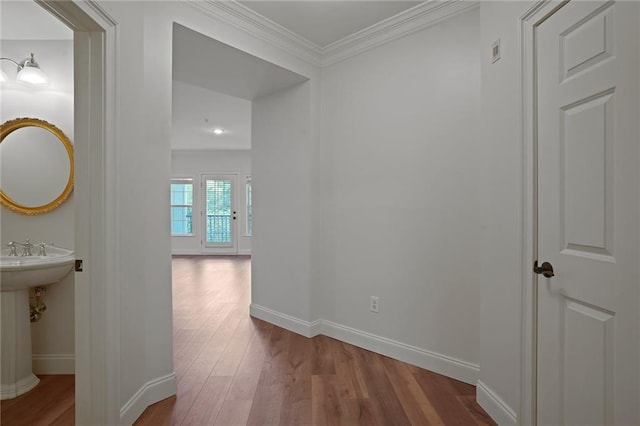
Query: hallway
233,369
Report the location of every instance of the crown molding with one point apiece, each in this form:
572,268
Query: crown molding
417,18
240,16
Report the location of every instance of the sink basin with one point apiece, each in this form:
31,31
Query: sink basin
17,275
23,272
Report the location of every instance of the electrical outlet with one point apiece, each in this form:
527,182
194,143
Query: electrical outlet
375,304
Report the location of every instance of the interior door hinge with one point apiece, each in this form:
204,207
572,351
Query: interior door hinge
79,265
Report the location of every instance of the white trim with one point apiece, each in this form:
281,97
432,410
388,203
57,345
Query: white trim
234,13
54,363
186,252
192,252
150,393
97,297
495,407
409,21
433,361
443,364
415,19
285,321
528,212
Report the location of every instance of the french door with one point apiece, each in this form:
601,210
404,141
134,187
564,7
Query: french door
219,214
588,225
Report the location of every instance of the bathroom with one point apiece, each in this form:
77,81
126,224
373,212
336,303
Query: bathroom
51,43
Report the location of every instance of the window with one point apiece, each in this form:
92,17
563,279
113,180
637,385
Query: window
249,210
181,207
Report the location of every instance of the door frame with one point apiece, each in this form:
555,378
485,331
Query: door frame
528,23
96,303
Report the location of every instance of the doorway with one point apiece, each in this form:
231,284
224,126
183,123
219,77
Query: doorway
96,303
220,214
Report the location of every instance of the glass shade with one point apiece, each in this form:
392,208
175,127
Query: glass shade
32,75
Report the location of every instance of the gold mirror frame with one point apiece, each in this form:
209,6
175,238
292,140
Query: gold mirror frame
9,127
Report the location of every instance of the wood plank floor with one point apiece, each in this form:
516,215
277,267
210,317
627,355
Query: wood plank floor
51,402
236,370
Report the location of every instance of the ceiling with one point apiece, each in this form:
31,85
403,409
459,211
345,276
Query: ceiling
325,22
213,65
218,92
25,20
197,112
320,22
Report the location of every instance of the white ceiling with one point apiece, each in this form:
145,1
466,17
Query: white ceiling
321,22
213,86
25,20
213,82
325,22
196,112
212,65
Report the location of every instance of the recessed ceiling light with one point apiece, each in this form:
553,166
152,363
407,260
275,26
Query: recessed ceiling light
218,131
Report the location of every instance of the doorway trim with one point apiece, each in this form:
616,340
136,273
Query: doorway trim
96,303
529,21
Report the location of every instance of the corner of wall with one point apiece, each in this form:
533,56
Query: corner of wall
497,409
439,363
150,393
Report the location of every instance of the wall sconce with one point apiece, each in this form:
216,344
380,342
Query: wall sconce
28,72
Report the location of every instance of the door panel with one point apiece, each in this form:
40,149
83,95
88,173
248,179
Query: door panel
586,175
588,221
219,214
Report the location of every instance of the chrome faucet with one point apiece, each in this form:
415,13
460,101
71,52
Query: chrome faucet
26,248
42,252
12,248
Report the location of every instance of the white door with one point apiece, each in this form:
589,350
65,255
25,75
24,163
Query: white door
588,221
219,214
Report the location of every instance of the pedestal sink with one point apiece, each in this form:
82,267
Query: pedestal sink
17,275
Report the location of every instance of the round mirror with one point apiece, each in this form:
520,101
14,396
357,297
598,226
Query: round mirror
36,166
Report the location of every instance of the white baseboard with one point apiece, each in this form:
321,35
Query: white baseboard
497,409
433,361
285,321
185,252
190,252
54,363
150,393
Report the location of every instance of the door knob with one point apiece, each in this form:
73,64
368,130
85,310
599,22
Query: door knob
545,269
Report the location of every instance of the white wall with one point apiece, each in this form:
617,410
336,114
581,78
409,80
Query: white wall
282,146
53,343
143,252
501,184
193,164
143,115
399,191
400,120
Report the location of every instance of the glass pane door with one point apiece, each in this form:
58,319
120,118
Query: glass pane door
219,213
